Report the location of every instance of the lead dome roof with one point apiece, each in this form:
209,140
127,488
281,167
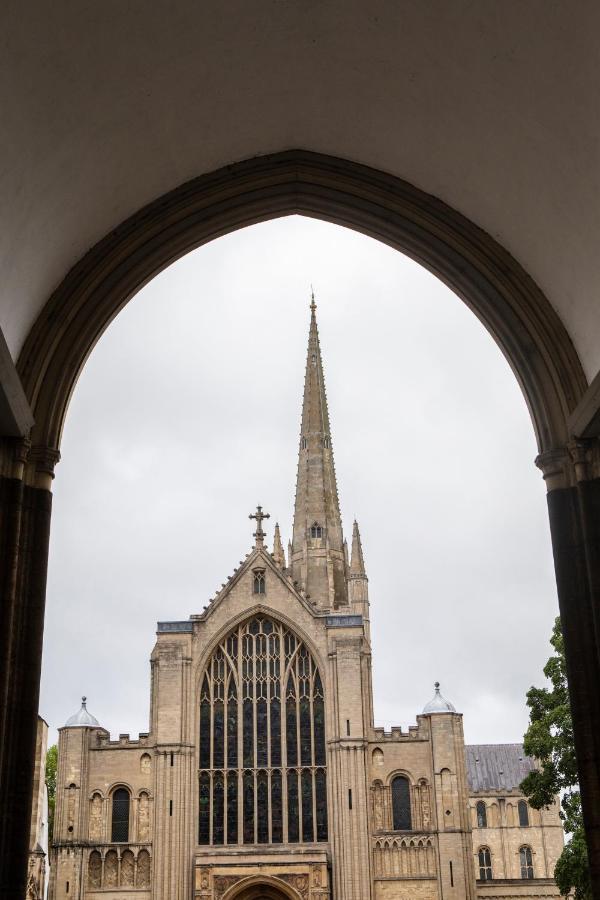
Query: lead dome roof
82,718
438,703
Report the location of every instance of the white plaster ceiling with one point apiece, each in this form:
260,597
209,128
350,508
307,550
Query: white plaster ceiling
491,106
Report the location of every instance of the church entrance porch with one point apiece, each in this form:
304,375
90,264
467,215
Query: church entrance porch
254,879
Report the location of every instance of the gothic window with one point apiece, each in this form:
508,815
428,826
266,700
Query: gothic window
316,531
526,861
401,816
523,814
120,816
262,740
485,864
258,584
481,815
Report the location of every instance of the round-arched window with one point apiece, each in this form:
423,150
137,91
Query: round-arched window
262,766
120,816
401,815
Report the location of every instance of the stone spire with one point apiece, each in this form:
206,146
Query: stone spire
357,562
290,554
318,563
278,554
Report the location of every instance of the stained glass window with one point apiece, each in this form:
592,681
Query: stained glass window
120,815
401,816
262,705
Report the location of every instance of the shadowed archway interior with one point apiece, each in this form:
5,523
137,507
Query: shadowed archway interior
468,260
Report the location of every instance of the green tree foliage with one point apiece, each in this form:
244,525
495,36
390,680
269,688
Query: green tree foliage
549,738
51,762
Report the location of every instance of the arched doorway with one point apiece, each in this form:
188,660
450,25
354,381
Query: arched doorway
261,892
475,266
261,887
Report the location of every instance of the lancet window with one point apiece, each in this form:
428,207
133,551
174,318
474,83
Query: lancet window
481,815
262,766
485,864
523,814
526,860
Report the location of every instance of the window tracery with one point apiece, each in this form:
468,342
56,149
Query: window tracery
259,584
481,815
262,764
316,530
485,864
526,861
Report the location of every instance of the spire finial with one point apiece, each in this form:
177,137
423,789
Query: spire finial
437,687
259,534
357,562
313,305
278,554
83,701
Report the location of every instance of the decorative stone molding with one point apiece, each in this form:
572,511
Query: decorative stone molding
467,259
577,461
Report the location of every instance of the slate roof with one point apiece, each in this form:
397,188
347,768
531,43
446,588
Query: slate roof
497,767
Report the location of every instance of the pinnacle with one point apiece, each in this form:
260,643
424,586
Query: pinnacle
357,564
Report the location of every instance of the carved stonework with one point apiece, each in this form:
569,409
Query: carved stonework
96,818
145,763
425,807
111,869
95,870
144,818
204,881
299,882
222,884
127,869
143,869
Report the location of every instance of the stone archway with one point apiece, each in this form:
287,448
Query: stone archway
262,887
261,892
468,260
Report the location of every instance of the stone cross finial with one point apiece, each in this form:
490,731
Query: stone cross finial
259,534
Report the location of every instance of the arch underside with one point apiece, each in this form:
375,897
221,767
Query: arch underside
468,260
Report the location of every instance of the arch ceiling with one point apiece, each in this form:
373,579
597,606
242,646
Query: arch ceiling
490,107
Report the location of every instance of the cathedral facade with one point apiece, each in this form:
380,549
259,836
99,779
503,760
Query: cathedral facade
263,776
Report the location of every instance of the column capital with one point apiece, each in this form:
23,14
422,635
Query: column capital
577,461
43,461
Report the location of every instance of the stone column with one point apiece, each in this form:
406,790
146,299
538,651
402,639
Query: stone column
572,476
25,506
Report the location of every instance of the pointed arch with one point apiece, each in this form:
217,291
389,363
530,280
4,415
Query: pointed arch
276,717
480,271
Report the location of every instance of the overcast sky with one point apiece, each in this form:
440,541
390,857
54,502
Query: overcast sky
187,415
